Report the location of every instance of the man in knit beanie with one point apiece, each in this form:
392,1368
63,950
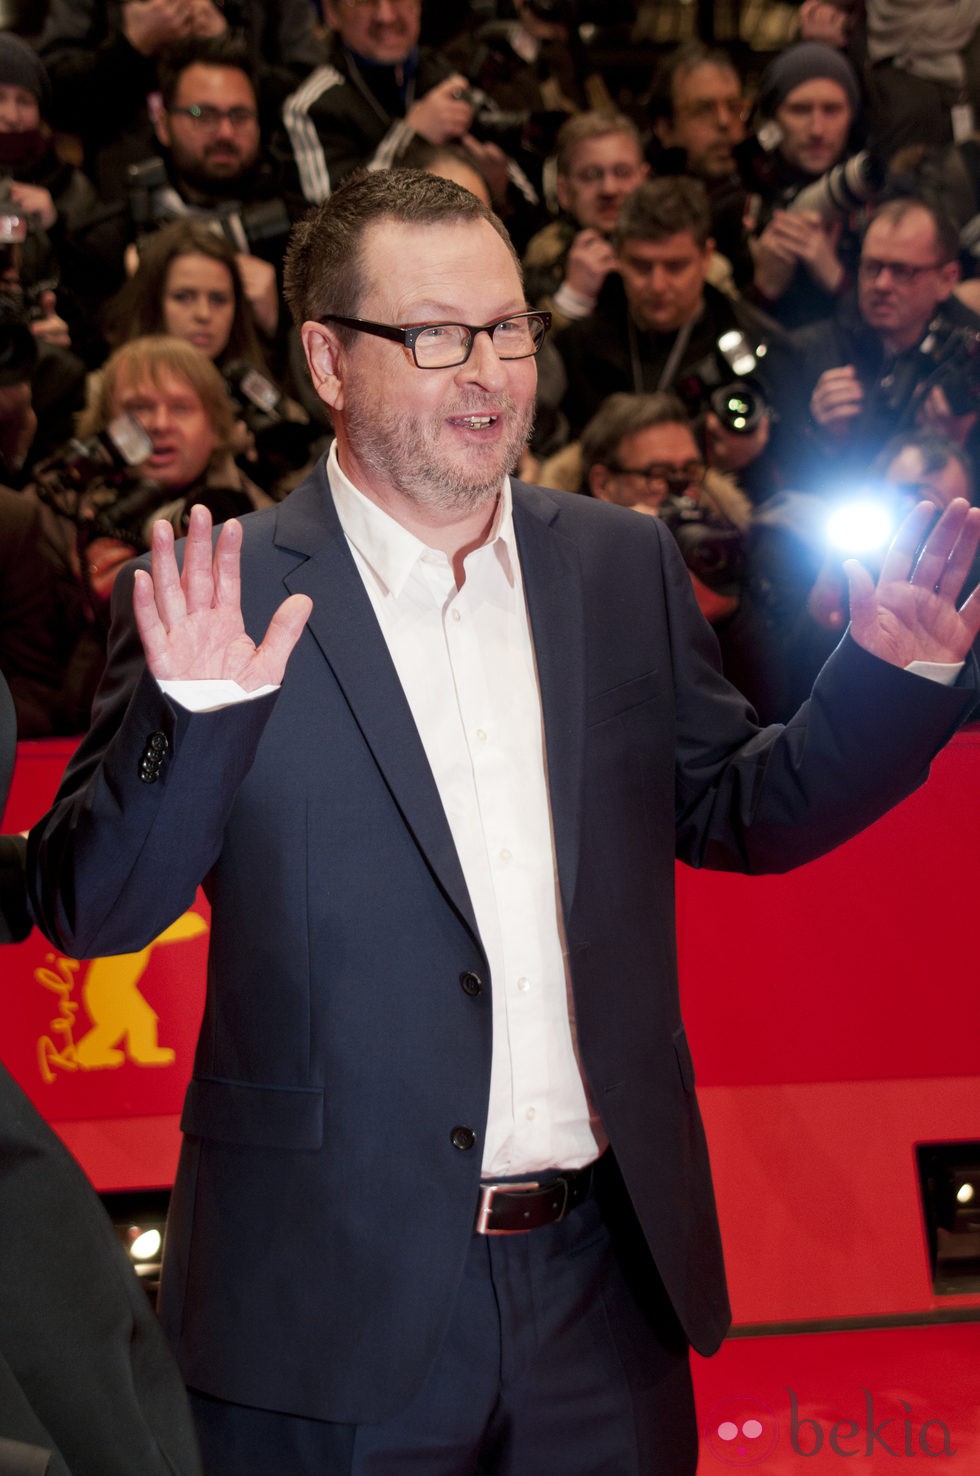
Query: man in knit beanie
812,93
808,101
51,192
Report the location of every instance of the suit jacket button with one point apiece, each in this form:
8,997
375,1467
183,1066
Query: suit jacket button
471,983
462,1138
158,742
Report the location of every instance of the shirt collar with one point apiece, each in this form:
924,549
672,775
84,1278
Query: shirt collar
389,550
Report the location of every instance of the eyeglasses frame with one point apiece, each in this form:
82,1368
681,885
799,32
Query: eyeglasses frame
408,337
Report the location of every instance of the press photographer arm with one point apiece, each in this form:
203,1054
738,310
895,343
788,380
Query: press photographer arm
18,426
837,400
792,238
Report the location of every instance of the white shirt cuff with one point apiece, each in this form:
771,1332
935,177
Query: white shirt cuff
211,695
571,303
943,672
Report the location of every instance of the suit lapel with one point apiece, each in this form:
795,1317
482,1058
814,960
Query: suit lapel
345,628
553,586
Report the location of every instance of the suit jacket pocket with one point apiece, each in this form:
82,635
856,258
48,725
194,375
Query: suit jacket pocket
619,699
253,1116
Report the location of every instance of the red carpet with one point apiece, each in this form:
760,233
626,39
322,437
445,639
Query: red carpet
878,1401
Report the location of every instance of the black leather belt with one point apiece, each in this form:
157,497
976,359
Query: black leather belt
511,1209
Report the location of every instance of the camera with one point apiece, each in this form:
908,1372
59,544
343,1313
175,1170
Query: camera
282,445
95,483
244,226
18,304
18,346
739,403
710,545
843,189
835,195
739,406
954,356
948,358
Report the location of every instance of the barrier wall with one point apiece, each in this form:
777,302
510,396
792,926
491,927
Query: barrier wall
834,1016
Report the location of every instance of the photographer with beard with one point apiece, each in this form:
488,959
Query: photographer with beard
103,58
210,163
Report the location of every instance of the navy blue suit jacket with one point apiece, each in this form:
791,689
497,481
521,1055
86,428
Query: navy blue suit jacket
322,1212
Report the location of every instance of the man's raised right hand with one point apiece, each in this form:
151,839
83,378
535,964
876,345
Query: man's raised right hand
191,622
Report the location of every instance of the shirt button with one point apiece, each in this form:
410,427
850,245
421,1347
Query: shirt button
523,984
504,855
462,1138
481,736
471,983
531,1114
457,617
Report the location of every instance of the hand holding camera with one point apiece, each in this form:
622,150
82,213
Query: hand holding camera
444,113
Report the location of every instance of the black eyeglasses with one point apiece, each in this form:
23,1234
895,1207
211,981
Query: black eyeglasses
901,272
666,481
205,116
445,345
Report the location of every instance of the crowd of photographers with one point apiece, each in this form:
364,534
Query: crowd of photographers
763,274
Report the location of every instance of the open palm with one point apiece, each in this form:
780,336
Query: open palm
911,614
191,622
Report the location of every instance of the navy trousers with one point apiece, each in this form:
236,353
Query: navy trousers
563,1358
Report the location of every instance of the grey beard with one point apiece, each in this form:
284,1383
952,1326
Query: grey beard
395,449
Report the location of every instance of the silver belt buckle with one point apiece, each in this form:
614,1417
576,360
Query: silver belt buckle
487,1192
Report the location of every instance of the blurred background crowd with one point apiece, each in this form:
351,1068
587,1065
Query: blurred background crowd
756,227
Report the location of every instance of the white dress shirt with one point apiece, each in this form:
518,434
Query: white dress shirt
465,661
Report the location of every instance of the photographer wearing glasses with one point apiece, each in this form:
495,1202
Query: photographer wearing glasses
639,451
660,323
103,57
699,112
904,354
210,164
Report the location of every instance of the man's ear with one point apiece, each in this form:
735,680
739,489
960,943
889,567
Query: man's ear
600,483
949,275
323,359
562,193
161,126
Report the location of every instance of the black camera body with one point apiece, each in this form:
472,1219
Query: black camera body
19,302
18,346
711,546
948,358
282,445
246,226
96,484
729,382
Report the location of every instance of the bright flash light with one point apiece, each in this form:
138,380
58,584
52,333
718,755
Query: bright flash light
738,352
146,1246
860,527
964,1193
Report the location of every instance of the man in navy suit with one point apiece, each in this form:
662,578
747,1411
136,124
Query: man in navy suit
444,1203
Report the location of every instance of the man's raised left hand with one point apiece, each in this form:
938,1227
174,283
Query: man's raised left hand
911,614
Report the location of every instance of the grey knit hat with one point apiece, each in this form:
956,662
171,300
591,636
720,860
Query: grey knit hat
802,63
20,66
